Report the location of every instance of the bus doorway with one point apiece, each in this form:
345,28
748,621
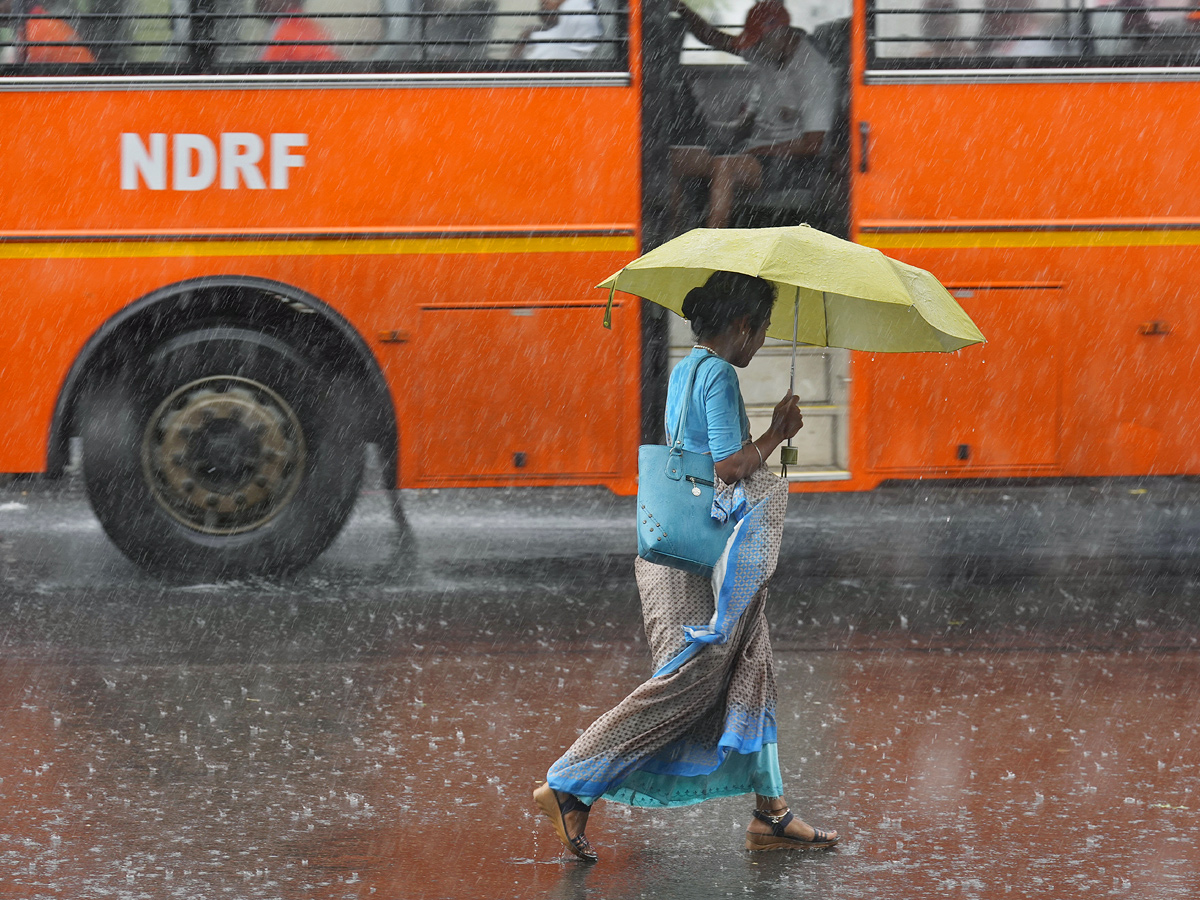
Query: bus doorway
699,104
785,117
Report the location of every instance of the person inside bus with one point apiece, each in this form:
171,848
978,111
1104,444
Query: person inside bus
570,29
294,37
454,29
41,37
1013,28
786,121
942,31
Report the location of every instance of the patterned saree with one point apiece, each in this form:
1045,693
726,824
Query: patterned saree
704,725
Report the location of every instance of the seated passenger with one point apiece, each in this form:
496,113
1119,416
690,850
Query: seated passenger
42,38
787,118
941,29
1011,28
561,36
1149,29
455,29
293,26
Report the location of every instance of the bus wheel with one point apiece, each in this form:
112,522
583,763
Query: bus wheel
226,453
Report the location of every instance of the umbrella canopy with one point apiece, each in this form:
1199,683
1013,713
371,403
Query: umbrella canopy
831,293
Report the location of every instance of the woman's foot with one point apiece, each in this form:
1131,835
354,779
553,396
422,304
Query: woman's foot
569,815
775,828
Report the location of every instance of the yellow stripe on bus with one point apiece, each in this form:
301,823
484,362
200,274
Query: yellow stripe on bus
126,249
929,240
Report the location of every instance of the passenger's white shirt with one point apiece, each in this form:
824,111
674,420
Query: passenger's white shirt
580,33
790,101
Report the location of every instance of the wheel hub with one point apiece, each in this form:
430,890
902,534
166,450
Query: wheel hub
223,454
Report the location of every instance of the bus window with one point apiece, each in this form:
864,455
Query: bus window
1154,30
457,29
1031,33
36,33
335,36
957,29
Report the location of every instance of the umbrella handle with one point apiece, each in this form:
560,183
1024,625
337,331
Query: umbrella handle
785,456
608,309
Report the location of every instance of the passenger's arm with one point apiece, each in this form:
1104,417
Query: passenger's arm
704,32
518,47
785,422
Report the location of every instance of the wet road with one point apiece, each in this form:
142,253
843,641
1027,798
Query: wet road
991,690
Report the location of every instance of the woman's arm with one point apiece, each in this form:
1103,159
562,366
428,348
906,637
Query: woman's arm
704,32
785,422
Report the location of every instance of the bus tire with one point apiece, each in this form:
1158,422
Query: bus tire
225,452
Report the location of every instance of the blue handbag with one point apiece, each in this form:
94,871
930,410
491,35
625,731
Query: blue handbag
675,497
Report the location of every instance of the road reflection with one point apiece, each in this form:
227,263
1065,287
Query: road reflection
982,713
992,775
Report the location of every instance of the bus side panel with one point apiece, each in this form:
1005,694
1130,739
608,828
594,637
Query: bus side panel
1077,199
958,412
1099,341
380,159
406,201
597,401
1012,152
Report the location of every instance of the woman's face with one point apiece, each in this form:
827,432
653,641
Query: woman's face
750,341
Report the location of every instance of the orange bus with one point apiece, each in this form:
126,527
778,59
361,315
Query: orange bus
240,239
225,268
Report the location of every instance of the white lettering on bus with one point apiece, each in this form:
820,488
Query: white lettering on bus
281,160
150,163
191,148
241,153
197,162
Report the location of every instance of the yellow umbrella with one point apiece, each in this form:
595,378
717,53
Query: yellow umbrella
831,293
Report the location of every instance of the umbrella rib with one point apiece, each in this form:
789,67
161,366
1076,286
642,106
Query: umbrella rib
776,241
825,314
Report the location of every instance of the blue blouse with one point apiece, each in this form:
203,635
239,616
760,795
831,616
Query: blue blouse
716,420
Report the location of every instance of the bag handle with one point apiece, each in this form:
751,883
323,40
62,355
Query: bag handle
677,444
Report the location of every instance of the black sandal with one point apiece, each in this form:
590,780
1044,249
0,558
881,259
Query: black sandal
778,839
556,811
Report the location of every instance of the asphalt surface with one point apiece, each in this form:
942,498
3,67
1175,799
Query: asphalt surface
990,689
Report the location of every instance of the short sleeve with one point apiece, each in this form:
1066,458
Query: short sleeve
723,411
820,95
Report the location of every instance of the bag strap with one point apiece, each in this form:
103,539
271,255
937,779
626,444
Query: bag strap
677,443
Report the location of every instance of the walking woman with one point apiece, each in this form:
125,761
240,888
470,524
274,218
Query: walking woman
704,725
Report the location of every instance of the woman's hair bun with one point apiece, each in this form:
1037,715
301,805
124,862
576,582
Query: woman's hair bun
698,304
724,298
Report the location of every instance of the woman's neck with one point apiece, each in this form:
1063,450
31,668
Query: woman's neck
723,345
